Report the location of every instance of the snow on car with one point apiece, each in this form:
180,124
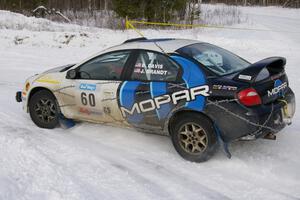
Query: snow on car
187,89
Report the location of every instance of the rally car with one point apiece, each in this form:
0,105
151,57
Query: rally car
197,93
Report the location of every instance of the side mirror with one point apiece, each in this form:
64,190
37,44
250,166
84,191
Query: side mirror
71,74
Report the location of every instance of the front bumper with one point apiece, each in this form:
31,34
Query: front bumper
19,96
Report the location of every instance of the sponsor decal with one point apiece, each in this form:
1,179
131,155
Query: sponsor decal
224,87
88,111
159,97
245,77
278,89
107,110
156,103
88,87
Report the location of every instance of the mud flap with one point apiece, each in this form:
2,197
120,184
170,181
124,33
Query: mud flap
221,142
66,123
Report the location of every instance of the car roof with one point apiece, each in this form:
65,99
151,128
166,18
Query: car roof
163,45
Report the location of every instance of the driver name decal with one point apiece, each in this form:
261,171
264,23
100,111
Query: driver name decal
155,69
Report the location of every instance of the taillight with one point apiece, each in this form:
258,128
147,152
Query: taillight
249,97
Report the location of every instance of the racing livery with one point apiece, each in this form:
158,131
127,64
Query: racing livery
199,94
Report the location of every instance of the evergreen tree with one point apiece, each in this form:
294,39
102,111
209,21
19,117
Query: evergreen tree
151,10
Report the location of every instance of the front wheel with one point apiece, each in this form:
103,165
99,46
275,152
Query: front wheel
193,137
43,109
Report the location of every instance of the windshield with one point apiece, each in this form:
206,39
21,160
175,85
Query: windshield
216,59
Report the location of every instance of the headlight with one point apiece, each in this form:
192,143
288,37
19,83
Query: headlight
27,86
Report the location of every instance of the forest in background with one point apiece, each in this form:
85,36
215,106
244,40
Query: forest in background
110,4
111,13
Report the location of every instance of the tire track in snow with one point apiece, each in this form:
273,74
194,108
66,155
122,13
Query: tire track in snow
133,165
24,156
181,174
115,162
42,140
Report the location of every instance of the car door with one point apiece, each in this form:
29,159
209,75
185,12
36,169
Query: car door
95,88
153,75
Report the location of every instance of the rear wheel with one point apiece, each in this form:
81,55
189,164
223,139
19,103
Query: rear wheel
193,137
43,109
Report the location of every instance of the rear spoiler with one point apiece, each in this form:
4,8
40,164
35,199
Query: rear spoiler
274,65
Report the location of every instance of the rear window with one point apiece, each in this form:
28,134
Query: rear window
216,59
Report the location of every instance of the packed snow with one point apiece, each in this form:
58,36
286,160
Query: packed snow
94,161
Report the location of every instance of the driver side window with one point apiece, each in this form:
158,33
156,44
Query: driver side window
104,67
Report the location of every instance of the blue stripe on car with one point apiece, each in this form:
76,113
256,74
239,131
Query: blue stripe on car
193,76
127,99
158,89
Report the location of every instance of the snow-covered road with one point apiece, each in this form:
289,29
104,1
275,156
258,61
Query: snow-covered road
93,161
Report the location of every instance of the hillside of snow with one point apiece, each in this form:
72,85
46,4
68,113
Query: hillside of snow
94,161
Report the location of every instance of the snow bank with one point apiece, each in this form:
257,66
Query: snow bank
16,21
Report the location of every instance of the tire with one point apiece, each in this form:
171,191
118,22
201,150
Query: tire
43,109
193,137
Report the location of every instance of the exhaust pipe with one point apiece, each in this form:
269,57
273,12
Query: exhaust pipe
270,136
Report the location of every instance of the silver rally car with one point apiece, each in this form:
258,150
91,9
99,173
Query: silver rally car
197,93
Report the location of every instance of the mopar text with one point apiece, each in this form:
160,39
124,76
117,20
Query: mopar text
277,89
157,102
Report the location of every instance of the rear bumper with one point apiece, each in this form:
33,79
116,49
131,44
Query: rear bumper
240,122
280,116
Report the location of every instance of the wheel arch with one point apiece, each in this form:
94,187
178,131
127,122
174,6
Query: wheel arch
37,89
43,123
181,112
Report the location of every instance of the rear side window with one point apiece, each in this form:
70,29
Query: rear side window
151,66
214,58
104,67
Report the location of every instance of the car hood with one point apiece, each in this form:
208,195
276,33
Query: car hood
59,69
50,71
